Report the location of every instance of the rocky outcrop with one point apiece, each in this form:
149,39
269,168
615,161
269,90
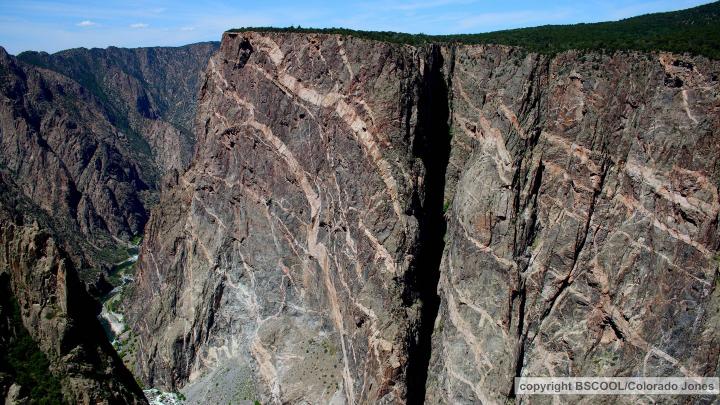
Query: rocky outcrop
84,138
38,278
64,154
353,204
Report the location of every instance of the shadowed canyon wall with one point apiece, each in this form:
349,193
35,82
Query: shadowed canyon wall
39,282
87,135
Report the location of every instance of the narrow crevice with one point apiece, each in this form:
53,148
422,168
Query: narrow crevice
615,328
520,295
432,146
565,283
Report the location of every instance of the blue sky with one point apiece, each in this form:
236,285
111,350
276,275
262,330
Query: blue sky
55,25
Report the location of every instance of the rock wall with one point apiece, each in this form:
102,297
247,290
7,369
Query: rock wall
277,266
583,231
59,147
84,137
87,134
354,204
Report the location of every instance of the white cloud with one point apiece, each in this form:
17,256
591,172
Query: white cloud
139,25
187,29
86,23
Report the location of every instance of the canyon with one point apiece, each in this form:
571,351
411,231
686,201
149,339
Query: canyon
80,167
327,218
366,222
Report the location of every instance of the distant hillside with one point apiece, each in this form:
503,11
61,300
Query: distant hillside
695,30
167,76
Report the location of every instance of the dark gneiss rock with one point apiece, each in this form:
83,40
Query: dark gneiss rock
344,220
583,227
89,139
270,190
65,155
562,205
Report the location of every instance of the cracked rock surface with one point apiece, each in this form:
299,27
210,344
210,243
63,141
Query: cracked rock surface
583,231
84,138
353,204
281,254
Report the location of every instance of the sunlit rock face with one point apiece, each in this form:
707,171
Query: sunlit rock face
150,93
86,134
583,226
352,204
281,261
84,137
64,154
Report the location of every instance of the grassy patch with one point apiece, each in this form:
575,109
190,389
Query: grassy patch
136,239
329,347
50,313
112,254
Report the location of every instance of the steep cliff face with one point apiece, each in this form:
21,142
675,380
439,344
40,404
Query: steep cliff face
583,231
82,148
354,204
89,140
55,310
277,269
